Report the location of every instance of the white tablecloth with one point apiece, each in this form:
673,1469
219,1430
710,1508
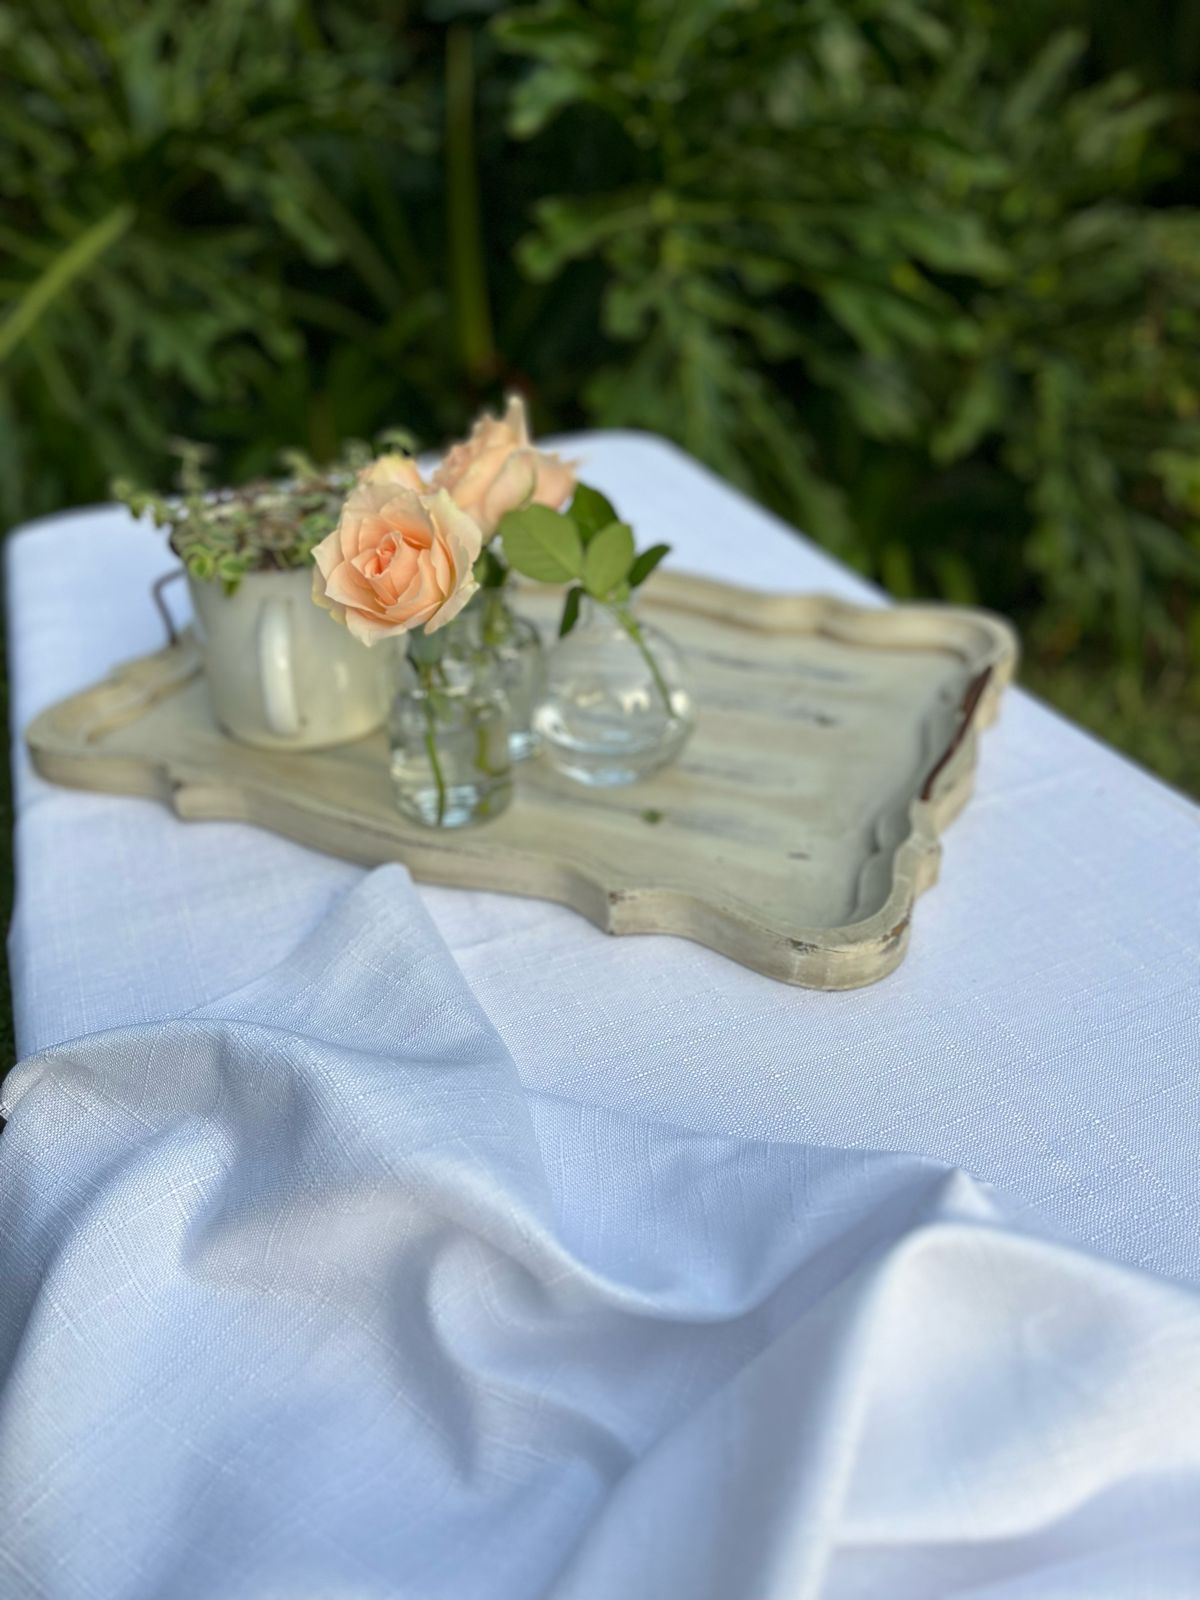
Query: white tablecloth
308,1296
376,1242
1043,1031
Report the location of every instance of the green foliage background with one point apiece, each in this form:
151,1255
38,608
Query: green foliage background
922,274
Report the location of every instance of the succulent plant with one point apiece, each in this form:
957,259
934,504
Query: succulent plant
267,525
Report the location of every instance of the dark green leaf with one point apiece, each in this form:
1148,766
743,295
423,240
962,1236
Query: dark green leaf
590,511
490,571
570,611
645,564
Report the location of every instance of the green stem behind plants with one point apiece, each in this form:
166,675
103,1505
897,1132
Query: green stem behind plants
73,263
468,276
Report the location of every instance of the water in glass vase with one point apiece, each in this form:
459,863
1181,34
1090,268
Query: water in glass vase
516,647
616,705
448,732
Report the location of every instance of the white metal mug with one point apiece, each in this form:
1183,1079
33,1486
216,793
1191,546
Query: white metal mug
281,673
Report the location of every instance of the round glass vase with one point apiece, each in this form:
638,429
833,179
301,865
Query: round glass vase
448,731
515,646
616,705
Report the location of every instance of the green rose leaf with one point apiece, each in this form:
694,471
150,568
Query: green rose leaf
646,563
542,544
591,511
608,559
570,611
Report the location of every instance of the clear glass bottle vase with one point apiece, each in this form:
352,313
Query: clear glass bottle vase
448,730
616,706
516,648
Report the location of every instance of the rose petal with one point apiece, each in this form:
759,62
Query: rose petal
400,560
394,468
513,486
346,587
453,606
516,420
556,480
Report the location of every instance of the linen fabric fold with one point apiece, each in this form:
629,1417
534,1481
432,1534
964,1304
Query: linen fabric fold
306,1295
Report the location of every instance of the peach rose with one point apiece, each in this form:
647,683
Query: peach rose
397,560
394,468
497,469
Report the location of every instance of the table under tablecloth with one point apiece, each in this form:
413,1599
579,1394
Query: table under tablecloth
1043,1031
361,1240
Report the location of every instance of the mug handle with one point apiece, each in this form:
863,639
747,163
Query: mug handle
275,673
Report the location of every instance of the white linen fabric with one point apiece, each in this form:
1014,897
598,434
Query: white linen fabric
309,1296
1043,1031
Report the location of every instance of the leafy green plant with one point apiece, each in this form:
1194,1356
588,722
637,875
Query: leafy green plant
917,273
884,262
177,185
774,239
267,525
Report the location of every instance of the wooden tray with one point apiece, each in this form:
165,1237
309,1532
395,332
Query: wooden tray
834,742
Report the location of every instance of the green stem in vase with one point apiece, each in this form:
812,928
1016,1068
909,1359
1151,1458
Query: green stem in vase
633,628
492,629
483,758
431,749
